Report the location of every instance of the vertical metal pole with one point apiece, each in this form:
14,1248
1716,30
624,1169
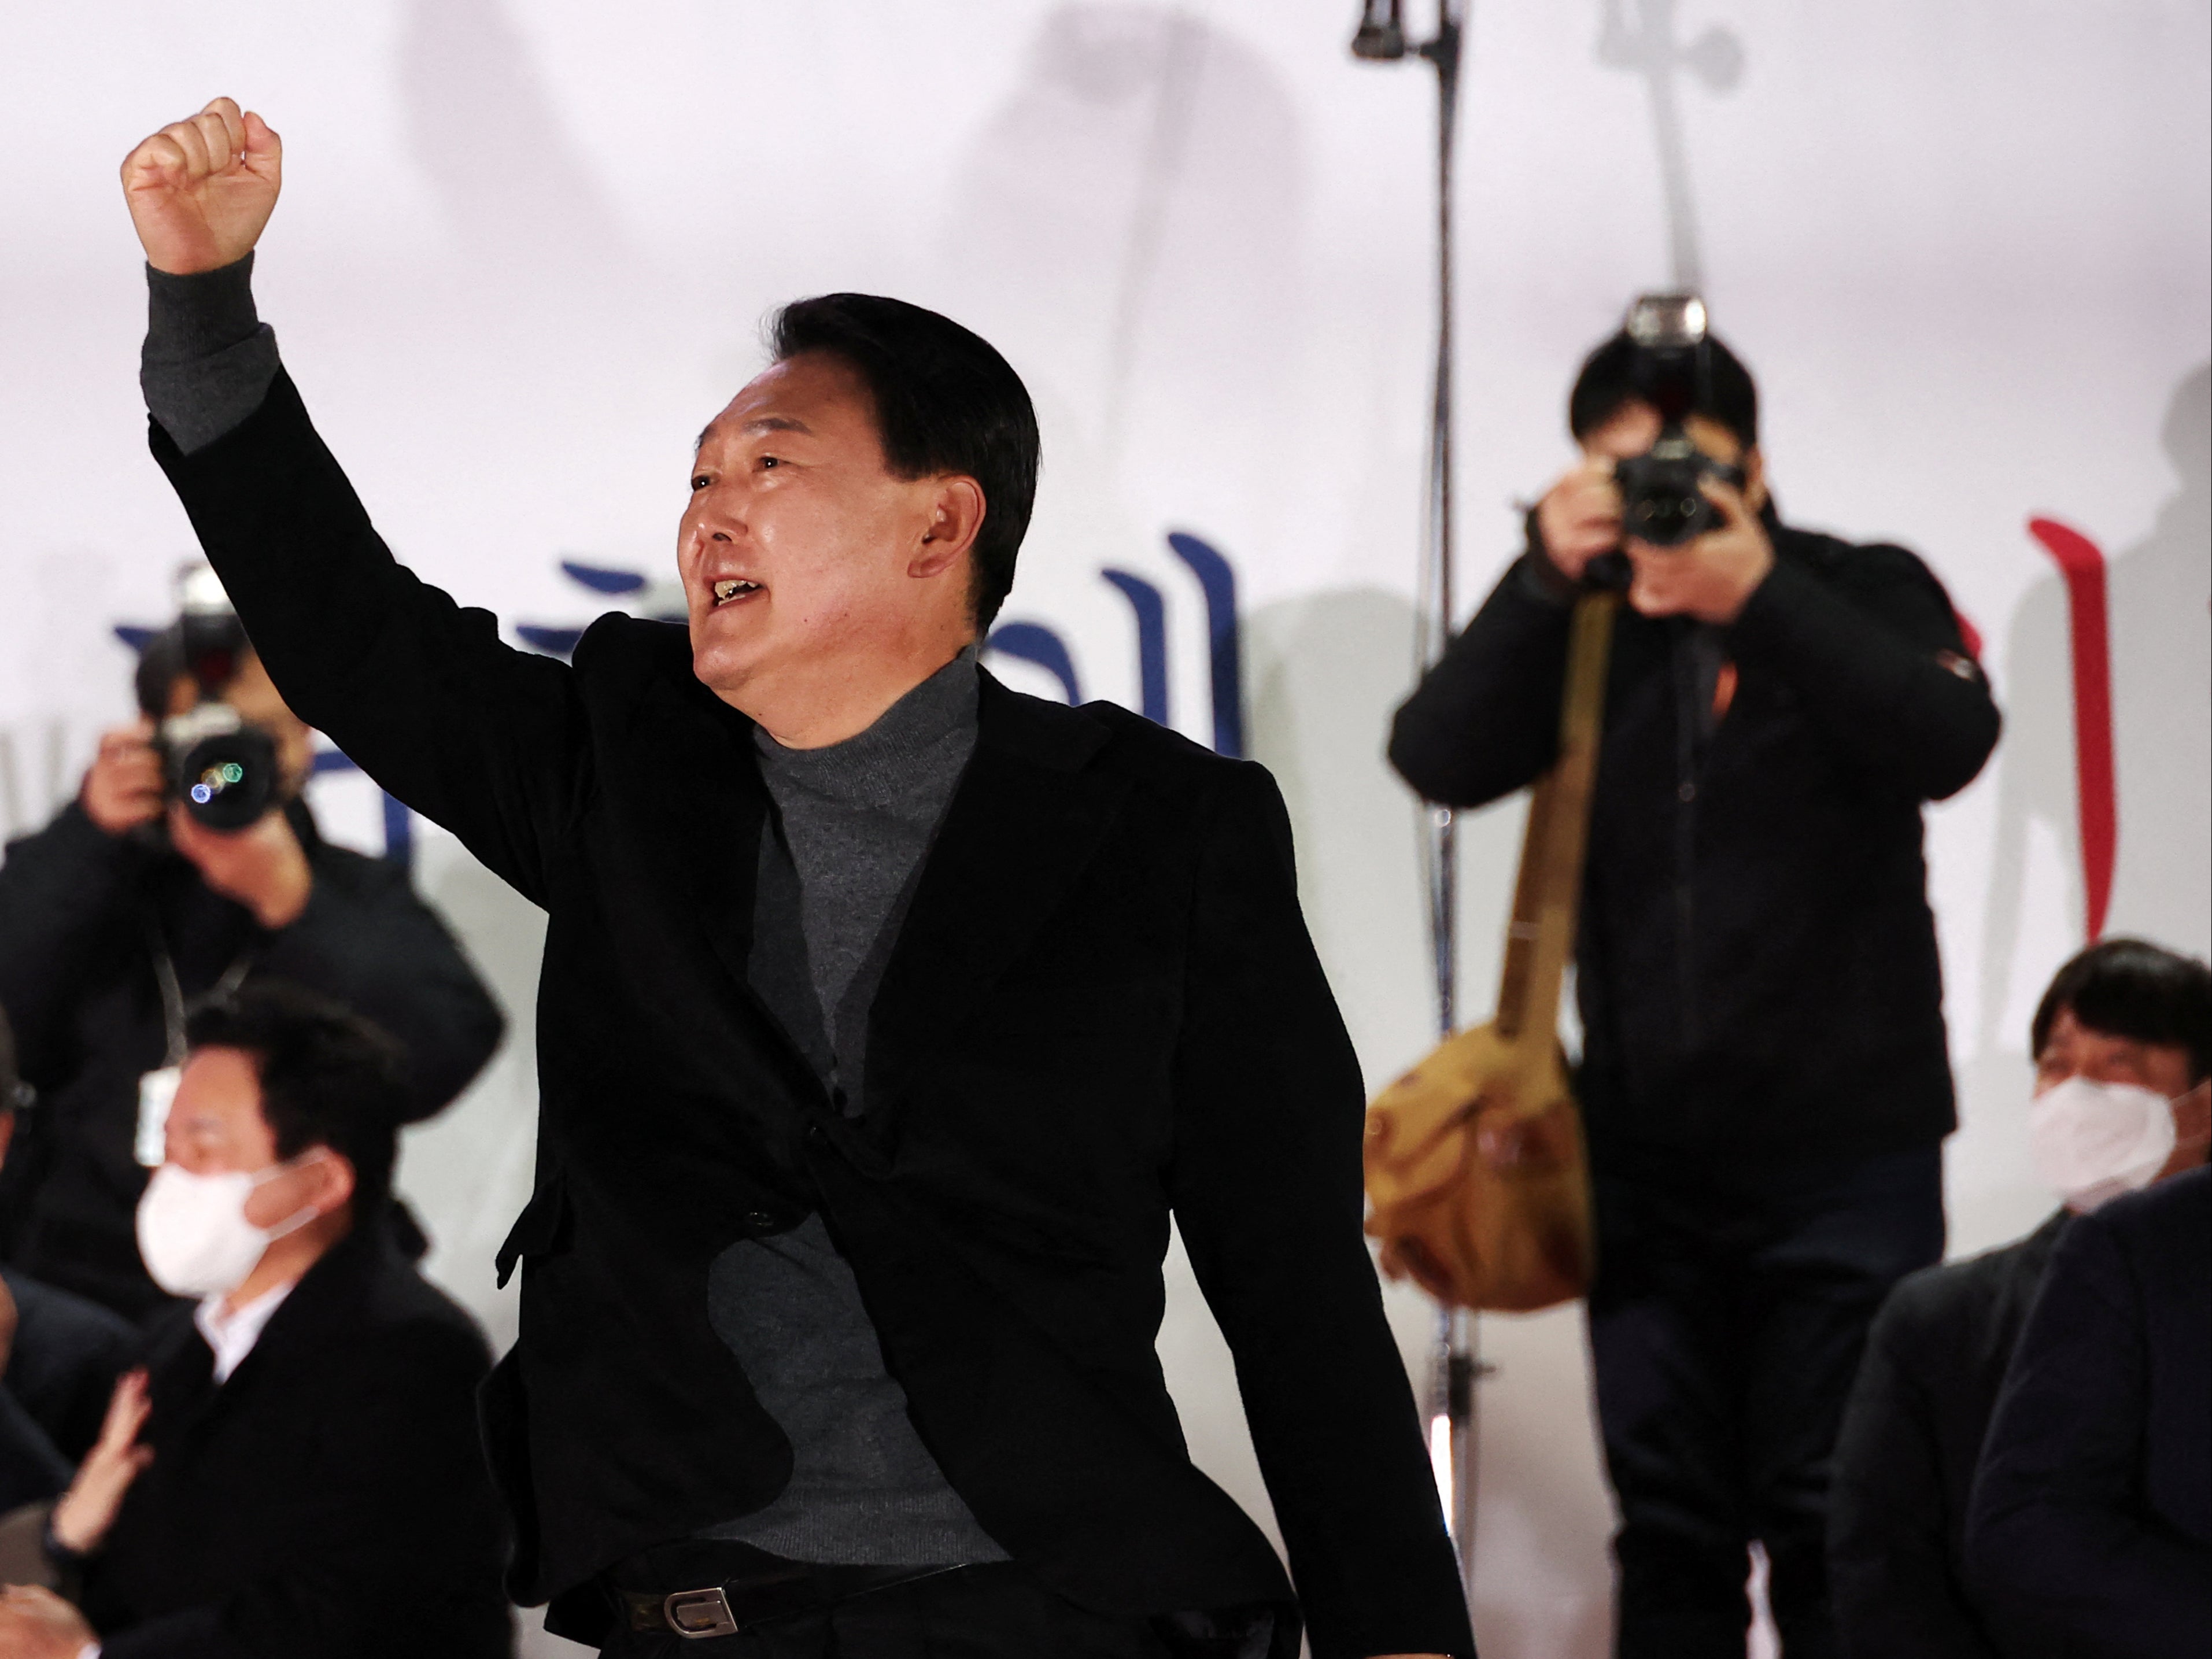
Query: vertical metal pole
1458,1337
1380,37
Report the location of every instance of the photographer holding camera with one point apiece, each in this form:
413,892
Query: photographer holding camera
187,865
1764,1079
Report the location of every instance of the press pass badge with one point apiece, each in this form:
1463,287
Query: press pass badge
156,1089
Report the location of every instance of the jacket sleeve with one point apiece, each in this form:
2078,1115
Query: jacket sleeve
1485,721
1881,664
2057,1529
62,893
32,1469
1889,1526
397,1532
1266,1184
421,693
366,939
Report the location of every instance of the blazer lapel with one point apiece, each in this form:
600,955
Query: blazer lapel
690,757
689,761
1028,815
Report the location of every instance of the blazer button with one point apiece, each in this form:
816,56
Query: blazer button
759,1220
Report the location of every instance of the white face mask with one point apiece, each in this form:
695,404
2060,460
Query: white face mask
193,1233
2093,1141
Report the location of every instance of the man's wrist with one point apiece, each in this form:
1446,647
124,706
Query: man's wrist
1540,578
208,359
189,318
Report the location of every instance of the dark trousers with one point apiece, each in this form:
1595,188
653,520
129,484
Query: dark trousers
1726,1324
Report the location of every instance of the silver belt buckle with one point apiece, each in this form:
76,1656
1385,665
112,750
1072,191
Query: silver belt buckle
698,1613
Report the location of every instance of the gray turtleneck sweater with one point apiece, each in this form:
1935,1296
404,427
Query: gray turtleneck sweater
853,824
837,863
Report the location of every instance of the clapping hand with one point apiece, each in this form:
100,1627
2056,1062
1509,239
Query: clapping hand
88,1509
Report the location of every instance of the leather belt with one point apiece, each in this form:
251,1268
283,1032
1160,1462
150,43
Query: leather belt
726,1609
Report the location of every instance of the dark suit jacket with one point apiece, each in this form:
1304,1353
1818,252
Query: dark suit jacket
327,1502
2093,1509
62,1368
1103,1009
1904,1460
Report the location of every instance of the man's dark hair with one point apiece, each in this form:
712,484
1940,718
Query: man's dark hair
1619,373
328,1077
2130,987
946,402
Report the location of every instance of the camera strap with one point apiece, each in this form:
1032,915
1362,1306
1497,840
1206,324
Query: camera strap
157,1089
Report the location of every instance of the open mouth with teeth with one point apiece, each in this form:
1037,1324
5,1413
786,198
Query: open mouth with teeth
731,588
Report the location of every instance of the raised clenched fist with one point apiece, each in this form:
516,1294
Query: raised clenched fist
201,189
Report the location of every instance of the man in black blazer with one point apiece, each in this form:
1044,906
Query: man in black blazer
887,1017
2092,1511
2122,1017
295,1473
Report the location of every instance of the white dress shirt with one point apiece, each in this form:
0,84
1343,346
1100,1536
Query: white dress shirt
232,1335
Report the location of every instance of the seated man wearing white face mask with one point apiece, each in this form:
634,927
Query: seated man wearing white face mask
2122,1046
296,1472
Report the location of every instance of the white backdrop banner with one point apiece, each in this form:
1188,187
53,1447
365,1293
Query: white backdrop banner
524,251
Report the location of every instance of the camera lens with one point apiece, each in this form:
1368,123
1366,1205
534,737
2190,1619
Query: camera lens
227,781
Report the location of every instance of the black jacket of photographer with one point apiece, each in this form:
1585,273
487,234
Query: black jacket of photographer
1102,1009
1757,968
81,915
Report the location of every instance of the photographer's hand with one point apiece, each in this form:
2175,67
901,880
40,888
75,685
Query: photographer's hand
1711,578
1579,518
201,189
122,787
263,865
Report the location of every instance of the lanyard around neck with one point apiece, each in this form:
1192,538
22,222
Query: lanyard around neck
173,1007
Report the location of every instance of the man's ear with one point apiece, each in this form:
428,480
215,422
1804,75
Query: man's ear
7,1132
956,515
331,1180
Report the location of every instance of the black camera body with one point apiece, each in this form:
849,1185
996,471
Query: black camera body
1661,500
223,770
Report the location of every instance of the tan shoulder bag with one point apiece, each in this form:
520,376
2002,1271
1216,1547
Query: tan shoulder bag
1476,1173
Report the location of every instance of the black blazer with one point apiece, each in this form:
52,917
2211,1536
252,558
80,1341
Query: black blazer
1905,1462
1103,1009
2093,1508
329,1501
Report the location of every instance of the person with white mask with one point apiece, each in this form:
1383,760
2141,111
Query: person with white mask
2122,1098
295,1470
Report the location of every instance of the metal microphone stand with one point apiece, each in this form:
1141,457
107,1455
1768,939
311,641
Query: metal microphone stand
1451,1418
